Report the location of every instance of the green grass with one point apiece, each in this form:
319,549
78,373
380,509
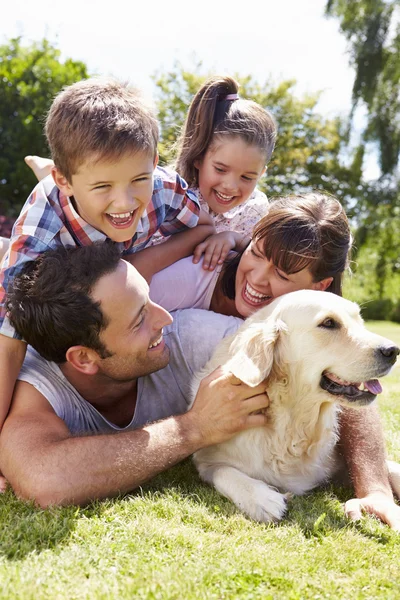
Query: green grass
177,538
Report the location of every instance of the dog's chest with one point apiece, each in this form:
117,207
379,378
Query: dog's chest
286,453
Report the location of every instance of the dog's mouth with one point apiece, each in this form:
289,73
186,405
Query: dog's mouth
359,393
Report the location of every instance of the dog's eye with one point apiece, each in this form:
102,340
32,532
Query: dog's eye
329,323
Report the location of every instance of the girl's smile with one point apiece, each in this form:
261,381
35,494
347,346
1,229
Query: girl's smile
229,172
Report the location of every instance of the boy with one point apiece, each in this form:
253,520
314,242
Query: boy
105,184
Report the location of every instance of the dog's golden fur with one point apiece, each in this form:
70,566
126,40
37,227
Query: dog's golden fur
292,344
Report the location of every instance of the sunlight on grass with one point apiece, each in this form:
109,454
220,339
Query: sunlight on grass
178,539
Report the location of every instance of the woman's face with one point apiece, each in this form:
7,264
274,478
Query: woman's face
259,281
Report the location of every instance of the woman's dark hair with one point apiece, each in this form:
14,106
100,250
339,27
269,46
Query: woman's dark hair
49,303
305,231
212,114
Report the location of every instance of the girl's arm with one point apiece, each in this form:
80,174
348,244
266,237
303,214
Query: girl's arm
217,247
155,258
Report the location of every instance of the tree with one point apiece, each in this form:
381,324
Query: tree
309,146
372,28
30,77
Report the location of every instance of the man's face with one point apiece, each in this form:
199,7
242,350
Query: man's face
134,333
111,195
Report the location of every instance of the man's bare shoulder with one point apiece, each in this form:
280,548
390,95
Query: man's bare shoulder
29,406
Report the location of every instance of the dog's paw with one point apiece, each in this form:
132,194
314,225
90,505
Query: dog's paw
264,504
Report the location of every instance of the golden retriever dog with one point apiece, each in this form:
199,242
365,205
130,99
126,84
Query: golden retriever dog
315,354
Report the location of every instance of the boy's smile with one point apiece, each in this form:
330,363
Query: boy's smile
112,194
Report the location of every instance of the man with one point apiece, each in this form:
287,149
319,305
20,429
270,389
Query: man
106,367
90,313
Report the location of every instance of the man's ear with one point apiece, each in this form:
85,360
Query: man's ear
322,285
62,182
155,163
83,359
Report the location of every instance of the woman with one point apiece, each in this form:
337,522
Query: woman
302,242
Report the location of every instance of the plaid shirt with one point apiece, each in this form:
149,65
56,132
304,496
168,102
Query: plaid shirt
49,219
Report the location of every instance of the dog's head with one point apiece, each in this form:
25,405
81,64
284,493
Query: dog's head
318,338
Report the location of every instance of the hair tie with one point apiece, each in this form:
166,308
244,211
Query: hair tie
232,97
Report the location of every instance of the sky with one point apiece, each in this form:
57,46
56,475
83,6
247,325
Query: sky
284,39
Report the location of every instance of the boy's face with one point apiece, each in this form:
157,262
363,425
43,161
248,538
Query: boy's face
111,195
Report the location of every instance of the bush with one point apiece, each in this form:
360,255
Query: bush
30,77
395,314
378,310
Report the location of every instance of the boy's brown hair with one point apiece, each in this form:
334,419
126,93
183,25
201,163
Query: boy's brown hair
98,118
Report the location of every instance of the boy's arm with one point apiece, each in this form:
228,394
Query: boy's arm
363,447
44,462
156,258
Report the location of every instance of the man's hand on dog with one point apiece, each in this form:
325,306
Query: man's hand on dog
379,504
224,405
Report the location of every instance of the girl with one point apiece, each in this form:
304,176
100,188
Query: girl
302,242
222,152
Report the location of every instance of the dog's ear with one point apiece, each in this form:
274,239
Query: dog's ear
252,351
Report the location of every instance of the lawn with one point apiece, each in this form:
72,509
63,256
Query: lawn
177,538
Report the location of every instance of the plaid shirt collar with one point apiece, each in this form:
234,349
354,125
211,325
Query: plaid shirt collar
83,232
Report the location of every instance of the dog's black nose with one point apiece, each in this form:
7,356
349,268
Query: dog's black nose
390,353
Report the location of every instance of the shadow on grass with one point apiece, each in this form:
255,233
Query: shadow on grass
317,514
26,528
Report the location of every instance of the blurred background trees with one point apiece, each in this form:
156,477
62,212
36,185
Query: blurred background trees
312,151
372,30
30,77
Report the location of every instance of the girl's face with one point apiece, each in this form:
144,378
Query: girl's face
229,172
259,281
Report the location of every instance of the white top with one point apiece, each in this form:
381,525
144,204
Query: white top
184,285
241,218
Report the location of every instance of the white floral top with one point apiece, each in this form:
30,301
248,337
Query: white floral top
241,218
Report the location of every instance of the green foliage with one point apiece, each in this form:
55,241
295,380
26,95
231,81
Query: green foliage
372,28
377,310
309,146
30,77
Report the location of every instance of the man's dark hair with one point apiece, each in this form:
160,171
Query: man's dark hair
49,303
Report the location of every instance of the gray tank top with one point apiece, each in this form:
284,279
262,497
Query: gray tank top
191,339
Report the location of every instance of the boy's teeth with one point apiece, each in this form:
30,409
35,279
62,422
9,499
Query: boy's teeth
253,295
125,215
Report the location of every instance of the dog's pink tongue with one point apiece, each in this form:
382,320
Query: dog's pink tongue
373,386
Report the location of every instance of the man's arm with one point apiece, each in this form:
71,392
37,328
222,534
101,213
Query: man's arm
42,461
363,447
12,354
155,258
